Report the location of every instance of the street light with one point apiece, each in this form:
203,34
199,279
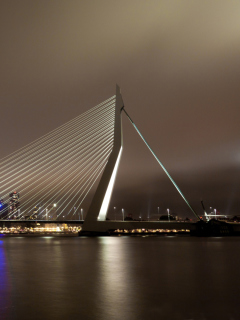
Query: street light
158,209
168,215
54,215
115,212
74,212
82,213
123,213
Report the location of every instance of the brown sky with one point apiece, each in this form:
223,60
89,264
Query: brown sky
178,66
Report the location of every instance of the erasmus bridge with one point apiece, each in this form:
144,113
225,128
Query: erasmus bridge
55,173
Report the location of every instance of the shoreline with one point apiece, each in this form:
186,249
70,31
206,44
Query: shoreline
42,234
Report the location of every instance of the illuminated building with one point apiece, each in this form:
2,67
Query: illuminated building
14,204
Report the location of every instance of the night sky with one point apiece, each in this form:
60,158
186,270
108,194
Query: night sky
178,66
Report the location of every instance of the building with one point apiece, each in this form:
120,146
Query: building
14,205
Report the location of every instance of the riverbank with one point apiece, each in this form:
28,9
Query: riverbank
40,234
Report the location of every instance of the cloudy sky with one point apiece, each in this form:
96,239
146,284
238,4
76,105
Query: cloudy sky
178,66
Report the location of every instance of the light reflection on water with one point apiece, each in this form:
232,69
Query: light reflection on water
119,278
5,285
115,280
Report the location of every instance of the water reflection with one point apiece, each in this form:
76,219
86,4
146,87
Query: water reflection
5,285
117,291
119,278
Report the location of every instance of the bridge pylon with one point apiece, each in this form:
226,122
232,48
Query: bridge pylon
99,206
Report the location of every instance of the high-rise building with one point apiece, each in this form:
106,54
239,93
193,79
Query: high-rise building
14,205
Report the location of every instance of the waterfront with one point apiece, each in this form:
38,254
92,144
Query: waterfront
119,278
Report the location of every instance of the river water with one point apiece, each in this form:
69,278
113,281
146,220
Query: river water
109,278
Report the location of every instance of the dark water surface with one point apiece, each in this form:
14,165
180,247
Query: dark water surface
119,278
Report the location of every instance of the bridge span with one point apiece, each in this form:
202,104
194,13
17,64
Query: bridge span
55,173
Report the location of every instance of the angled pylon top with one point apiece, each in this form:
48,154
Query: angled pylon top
100,202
